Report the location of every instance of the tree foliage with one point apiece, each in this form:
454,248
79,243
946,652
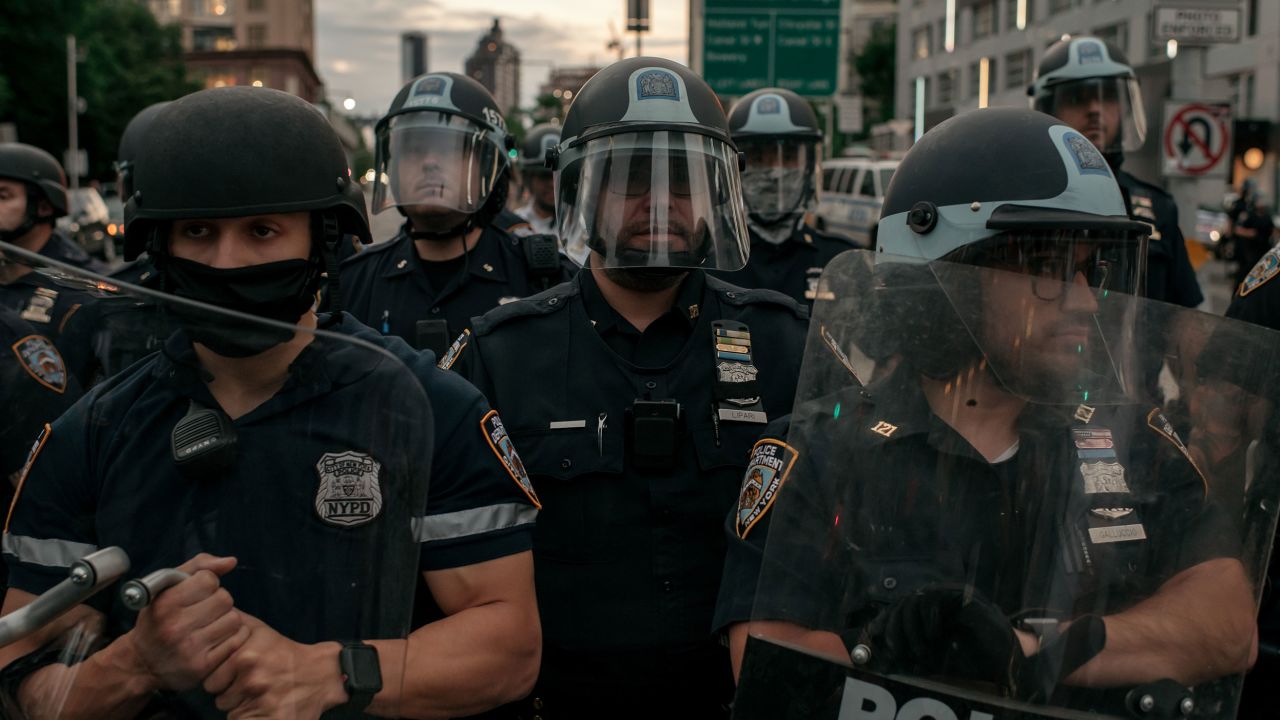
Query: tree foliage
127,62
876,64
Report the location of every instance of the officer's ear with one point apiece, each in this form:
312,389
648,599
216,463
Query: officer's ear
44,210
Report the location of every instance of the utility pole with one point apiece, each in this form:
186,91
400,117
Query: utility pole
73,117
638,21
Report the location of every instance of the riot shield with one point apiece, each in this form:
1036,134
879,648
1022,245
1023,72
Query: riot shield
301,451
995,508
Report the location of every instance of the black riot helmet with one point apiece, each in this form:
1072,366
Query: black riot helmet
533,151
43,177
130,144
647,173
443,144
1045,205
778,133
1088,83
236,151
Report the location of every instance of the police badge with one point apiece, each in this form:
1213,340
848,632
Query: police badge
771,462
349,492
657,84
41,360
500,442
1103,477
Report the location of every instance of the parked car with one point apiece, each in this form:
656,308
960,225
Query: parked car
852,193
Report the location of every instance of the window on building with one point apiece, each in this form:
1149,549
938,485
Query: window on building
1252,27
975,80
1116,34
212,8
1017,69
255,5
216,38
947,81
1011,12
922,41
258,76
1057,6
257,35
984,19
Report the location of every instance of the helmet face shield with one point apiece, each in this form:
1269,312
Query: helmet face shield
779,179
1107,110
654,199
437,160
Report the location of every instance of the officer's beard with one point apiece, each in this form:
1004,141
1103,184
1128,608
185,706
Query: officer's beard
646,280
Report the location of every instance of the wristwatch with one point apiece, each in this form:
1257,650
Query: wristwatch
361,674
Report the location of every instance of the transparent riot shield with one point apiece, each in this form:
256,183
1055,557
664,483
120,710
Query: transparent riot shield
1011,498
196,451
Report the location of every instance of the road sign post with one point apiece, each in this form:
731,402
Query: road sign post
1197,139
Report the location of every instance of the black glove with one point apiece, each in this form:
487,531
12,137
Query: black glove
944,630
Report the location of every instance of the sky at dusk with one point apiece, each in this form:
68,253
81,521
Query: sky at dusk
358,41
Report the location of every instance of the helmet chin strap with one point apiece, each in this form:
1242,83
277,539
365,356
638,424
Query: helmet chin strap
29,221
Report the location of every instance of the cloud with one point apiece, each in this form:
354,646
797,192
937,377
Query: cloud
358,41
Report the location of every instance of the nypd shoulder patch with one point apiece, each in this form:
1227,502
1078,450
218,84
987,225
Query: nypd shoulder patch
500,442
1266,268
455,351
350,493
771,462
1157,421
42,361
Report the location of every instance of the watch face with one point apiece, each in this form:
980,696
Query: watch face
360,665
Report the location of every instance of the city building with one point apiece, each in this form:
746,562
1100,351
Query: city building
496,65
955,55
266,43
413,56
564,83
859,21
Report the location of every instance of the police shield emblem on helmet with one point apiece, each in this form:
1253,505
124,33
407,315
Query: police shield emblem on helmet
42,361
1087,157
657,84
1090,52
769,105
349,492
771,461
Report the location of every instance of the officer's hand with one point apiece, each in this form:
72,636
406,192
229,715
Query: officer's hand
191,628
944,630
271,676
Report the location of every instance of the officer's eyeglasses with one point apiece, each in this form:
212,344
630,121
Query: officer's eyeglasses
1053,265
1051,275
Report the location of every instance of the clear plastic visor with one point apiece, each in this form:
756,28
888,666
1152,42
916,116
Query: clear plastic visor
1106,110
779,178
436,160
654,199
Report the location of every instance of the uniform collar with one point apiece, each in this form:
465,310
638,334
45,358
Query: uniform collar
688,303
898,410
486,259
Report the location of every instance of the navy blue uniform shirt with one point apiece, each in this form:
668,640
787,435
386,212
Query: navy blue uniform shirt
1170,277
60,247
347,421
55,310
628,556
791,267
386,286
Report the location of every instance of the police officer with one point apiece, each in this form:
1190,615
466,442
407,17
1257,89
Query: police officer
1088,84
992,511
778,132
209,452
442,162
33,194
654,379
141,271
540,211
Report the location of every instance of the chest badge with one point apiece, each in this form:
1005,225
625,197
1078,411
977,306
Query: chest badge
1103,477
349,492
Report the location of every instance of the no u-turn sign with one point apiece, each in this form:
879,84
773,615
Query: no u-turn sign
1197,139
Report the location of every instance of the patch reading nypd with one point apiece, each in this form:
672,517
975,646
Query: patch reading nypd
657,85
455,351
771,462
1265,269
1088,160
42,361
349,493
502,446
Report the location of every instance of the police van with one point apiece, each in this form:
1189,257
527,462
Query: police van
852,193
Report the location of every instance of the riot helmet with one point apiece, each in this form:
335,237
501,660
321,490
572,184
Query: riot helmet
778,133
130,144
647,174
1088,83
533,151
43,178
1047,207
443,147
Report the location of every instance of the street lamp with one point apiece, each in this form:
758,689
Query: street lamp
349,103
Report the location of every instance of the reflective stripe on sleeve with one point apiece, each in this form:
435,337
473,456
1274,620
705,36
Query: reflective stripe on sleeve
49,552
460,524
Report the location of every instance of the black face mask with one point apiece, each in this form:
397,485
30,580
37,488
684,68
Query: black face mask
280,291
